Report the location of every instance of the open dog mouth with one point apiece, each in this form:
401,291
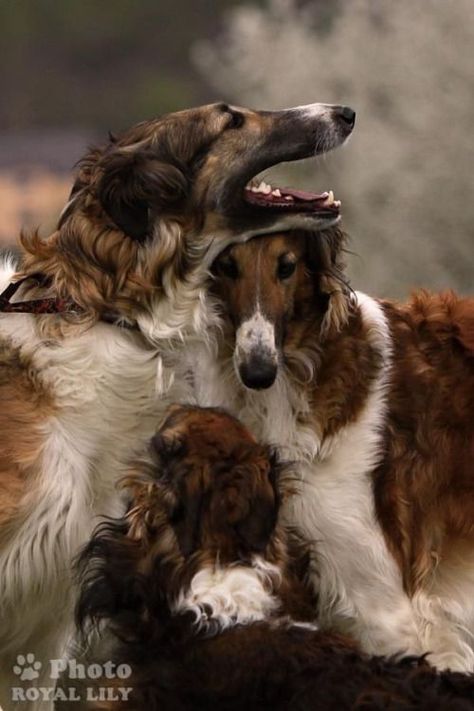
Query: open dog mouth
261,194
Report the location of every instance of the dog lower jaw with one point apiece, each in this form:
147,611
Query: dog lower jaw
306,221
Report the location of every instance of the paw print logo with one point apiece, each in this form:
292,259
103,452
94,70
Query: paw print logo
26,667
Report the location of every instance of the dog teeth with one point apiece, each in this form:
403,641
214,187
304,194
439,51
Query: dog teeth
327,198
330,199
263,187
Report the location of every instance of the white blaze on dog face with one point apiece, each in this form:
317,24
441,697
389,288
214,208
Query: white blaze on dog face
324,113
256,333
256,355
258,284
274,291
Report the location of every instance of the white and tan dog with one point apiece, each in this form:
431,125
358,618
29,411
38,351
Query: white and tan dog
114,293
375,401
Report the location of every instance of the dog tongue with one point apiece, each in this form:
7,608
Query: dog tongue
305,196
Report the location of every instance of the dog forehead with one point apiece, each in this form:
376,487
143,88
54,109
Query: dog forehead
186,126
268,247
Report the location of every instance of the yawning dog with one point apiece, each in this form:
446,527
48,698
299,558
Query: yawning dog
375,400
194,586
94,318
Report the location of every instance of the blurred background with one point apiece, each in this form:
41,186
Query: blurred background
74,69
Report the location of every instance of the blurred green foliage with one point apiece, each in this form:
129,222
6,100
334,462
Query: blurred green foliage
100,63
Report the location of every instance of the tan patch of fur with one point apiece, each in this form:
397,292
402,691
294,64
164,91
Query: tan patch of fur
73,258
25,405
347,367
424,488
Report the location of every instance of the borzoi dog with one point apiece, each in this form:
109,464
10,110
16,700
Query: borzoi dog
195,586
109,298
376,401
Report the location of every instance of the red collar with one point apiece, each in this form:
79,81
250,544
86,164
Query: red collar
53,305
37,306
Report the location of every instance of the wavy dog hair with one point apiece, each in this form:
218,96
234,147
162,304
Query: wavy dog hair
374,399
107,253
282,298
96,317
150,210
196,589
205,496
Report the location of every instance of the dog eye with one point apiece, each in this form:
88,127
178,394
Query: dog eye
285,269
228,268
236,120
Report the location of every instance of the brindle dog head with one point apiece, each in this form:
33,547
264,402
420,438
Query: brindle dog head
157,204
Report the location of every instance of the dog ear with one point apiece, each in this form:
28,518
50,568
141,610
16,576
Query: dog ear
250,510
136,185
187,527
110,585
167,451
325,251
168,447
255,529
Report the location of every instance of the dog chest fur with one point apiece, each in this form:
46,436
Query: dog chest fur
105,389
362,585
354,572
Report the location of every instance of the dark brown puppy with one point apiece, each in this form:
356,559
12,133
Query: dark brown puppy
195,584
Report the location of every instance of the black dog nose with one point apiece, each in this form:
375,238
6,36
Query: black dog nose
347,114
258,374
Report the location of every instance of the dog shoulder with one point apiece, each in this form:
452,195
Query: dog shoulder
443,322
464,324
